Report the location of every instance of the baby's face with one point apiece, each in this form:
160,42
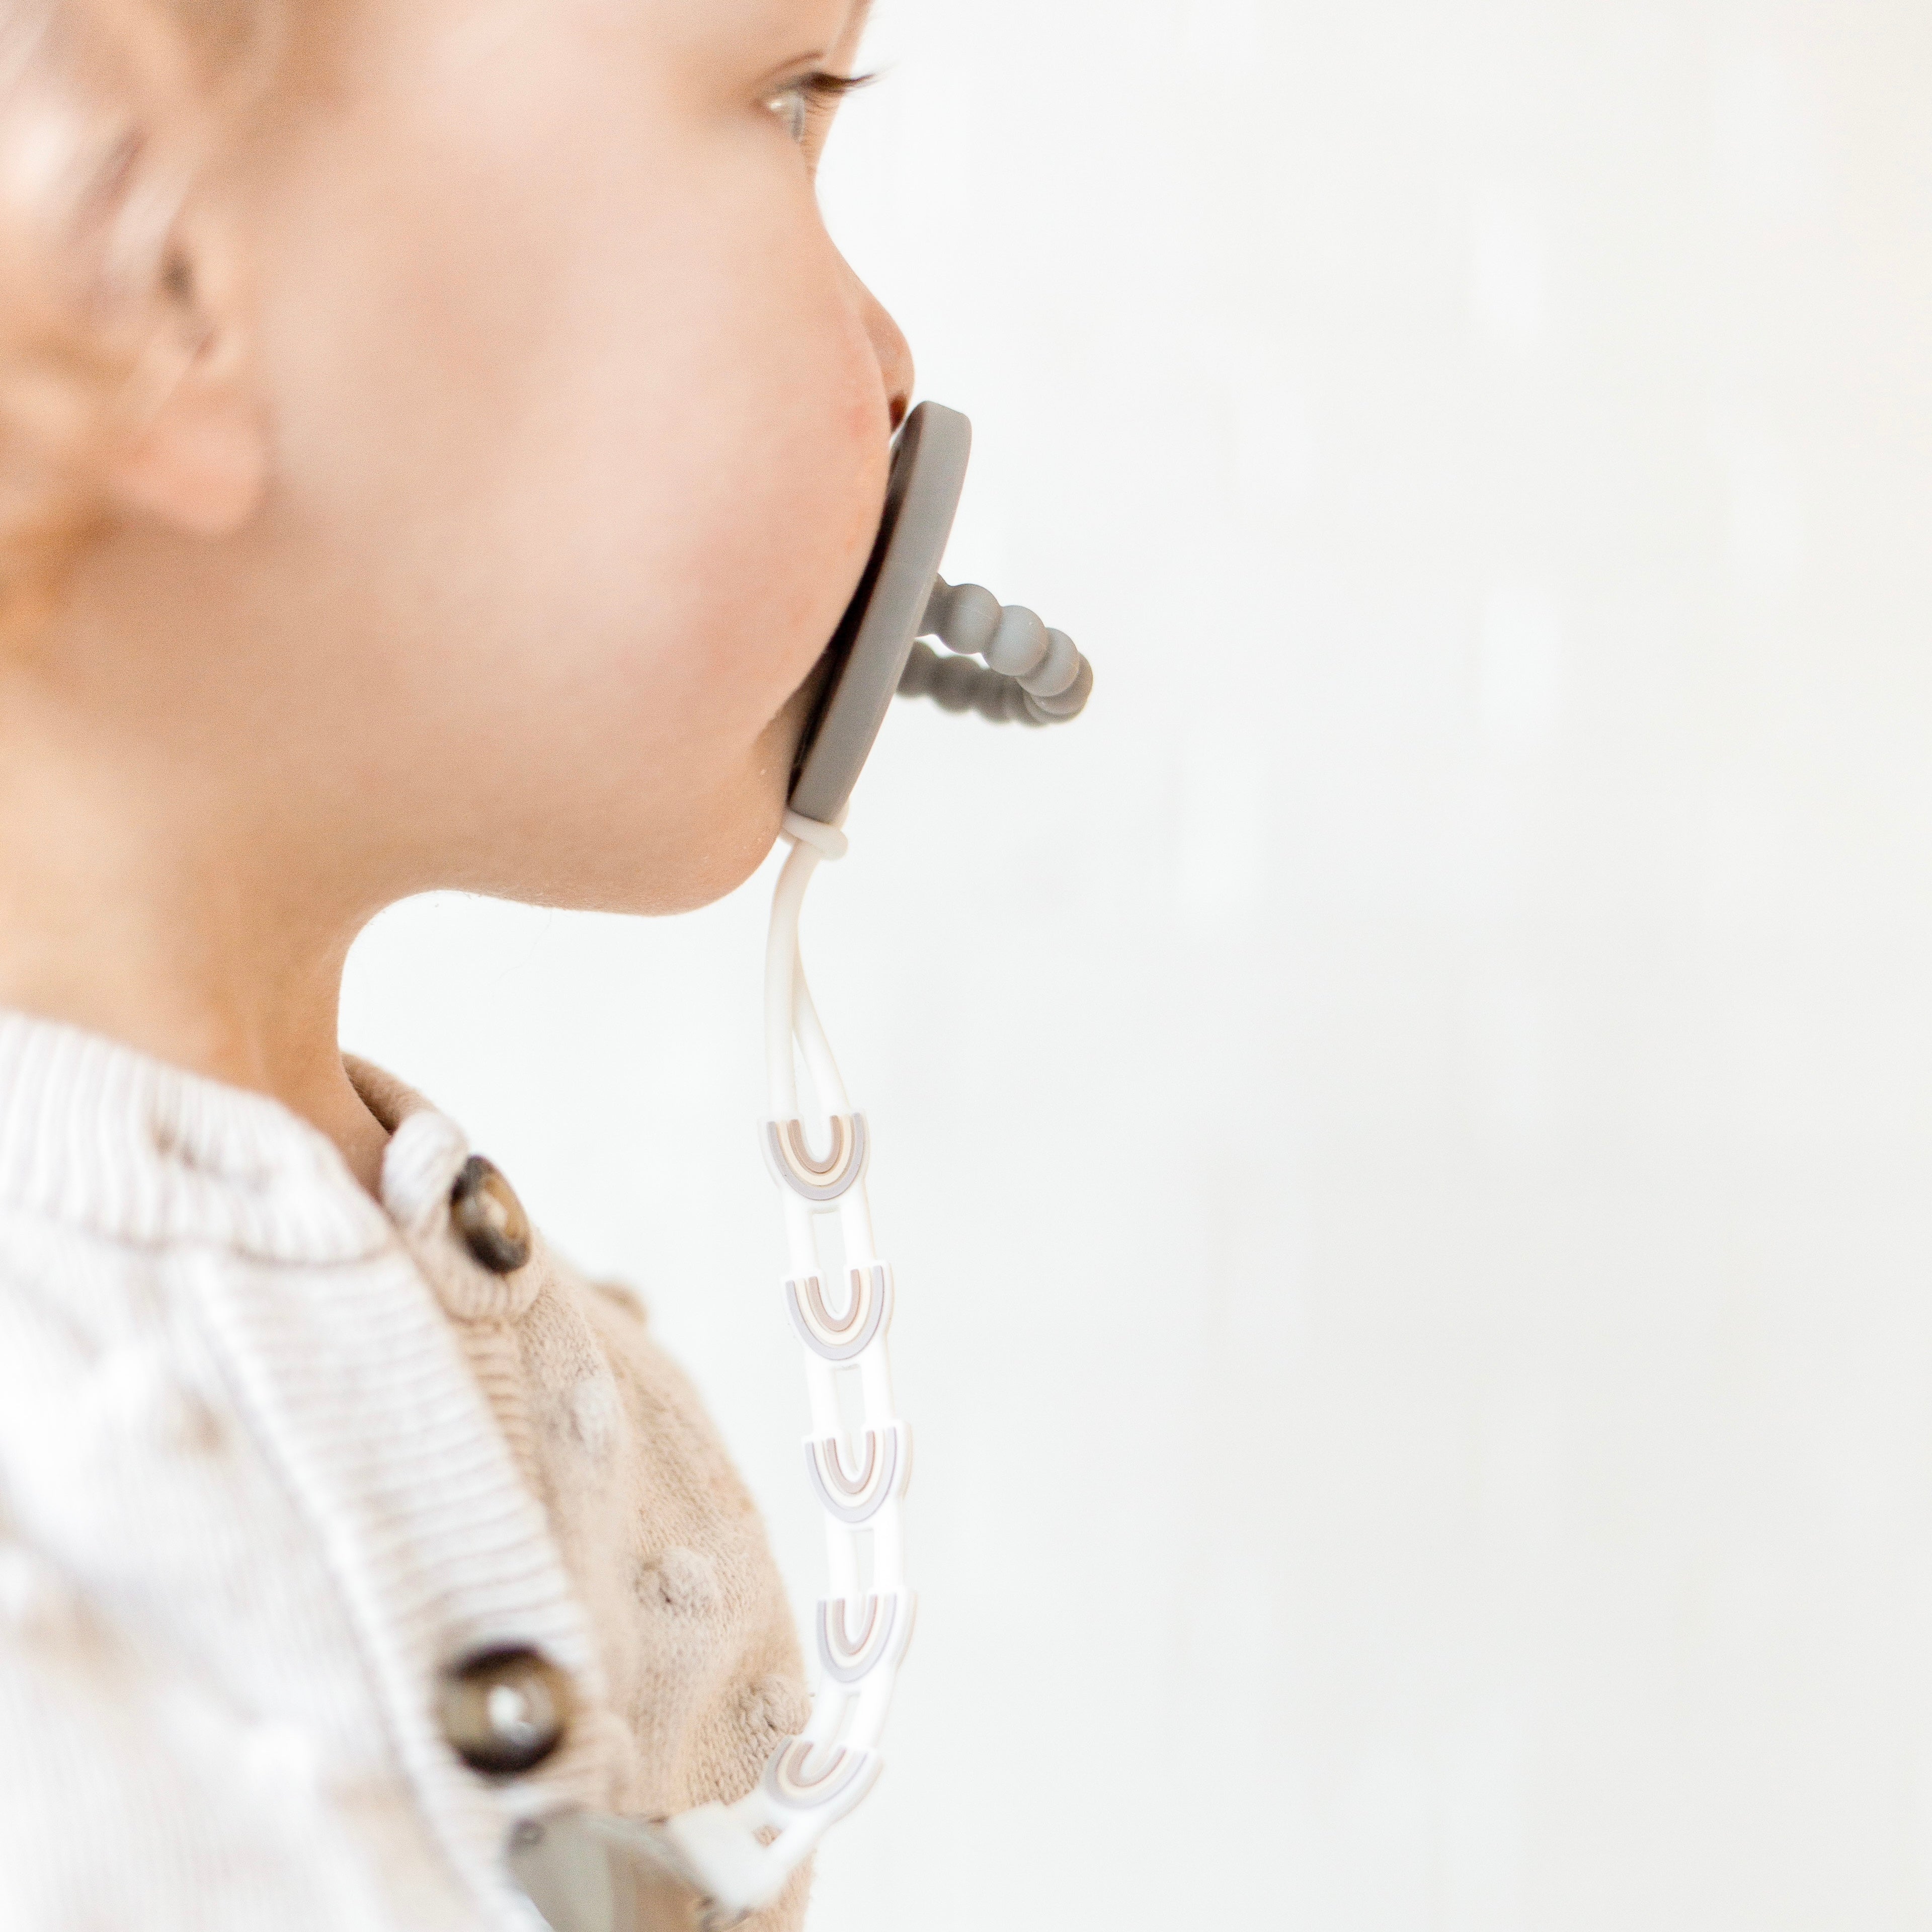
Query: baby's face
579,432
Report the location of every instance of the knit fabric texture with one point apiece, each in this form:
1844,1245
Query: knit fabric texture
272,1457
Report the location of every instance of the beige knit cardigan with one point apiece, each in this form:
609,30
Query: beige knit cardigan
270,1456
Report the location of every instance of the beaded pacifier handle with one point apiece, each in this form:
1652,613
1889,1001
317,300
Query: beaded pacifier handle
708,1867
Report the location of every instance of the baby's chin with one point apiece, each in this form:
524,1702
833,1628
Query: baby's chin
707,869
662,861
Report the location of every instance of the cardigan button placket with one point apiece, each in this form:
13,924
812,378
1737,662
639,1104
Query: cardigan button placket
487,1214
504,1712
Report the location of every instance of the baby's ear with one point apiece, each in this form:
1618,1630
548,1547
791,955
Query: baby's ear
127,384
188,443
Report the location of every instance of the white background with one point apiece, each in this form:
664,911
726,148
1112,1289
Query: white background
1405,1135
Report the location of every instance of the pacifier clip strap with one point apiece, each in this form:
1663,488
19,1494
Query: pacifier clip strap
707,1868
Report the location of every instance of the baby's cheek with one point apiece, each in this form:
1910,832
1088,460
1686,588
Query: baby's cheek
792,550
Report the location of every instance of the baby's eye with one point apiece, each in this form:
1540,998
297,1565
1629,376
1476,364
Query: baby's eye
801,104
792,104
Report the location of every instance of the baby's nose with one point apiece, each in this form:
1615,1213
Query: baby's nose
894,353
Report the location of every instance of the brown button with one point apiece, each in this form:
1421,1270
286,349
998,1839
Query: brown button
489,1217
504,1712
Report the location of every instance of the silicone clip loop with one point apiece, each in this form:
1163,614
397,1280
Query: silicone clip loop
827,841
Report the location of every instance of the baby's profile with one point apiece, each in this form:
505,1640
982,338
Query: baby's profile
437,439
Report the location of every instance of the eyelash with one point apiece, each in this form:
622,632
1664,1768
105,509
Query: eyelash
795,104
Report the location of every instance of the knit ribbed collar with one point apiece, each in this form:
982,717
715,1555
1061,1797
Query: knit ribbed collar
425,1154
94,1133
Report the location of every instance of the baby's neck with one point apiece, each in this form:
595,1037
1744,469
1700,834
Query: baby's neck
131,906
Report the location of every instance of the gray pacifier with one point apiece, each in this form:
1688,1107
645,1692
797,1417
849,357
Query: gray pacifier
1029,676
